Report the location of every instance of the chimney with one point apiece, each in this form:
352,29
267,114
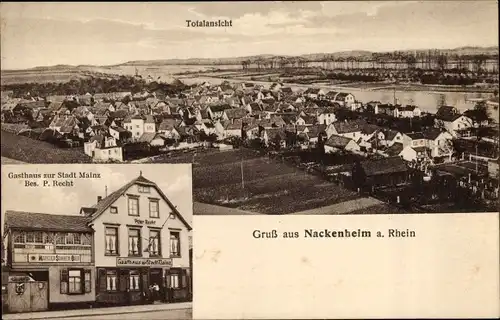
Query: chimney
99,198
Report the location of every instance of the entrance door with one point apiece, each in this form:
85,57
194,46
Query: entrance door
156,278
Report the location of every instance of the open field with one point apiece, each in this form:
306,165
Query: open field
268,187
35,76
34,151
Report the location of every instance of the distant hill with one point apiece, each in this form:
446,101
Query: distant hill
237,60
308,57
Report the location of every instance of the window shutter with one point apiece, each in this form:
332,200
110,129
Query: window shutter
183,280
102,280
64,281
88,281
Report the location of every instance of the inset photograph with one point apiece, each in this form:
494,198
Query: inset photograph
90,241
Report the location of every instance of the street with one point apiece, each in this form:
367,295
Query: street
178,314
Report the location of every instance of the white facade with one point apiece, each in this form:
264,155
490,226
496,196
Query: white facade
119,216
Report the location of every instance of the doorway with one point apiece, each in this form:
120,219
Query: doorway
157,283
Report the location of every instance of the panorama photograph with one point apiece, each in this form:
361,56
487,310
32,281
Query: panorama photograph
304,107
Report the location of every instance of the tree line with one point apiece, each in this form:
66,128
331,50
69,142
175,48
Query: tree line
93,85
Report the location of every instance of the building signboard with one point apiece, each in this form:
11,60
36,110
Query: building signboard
144,262
47,258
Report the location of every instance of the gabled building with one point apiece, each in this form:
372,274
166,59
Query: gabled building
141,240
452,121
103,147
140,124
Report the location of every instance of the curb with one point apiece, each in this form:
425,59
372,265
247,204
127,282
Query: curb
95,315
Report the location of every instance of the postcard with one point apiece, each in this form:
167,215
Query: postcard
343,157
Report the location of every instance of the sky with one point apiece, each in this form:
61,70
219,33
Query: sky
174,180
37,34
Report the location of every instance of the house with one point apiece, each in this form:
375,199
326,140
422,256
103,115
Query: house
448,118
326,116
47,254
316,133
350,129
168,128
388,137
65,124
140,124
144,240
408,112
235,113
387,109
274,136
439,142
371,175
216,112
232,129
120,133
339,143
314,93
344,99
103,147
415,154
152,139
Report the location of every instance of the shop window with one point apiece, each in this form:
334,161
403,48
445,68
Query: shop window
133,206
154,243
111,241
134,278
175,245
111,280
154,209
134,243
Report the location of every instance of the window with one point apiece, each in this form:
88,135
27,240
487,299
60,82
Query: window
30,237
134,244
171,216
38,237
86,239
70,238
154,209
20,238
113,210
111,241
77,238
154,243
134,280
133,206
175,245
144,189
174,281
60,238
111,280
75,281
